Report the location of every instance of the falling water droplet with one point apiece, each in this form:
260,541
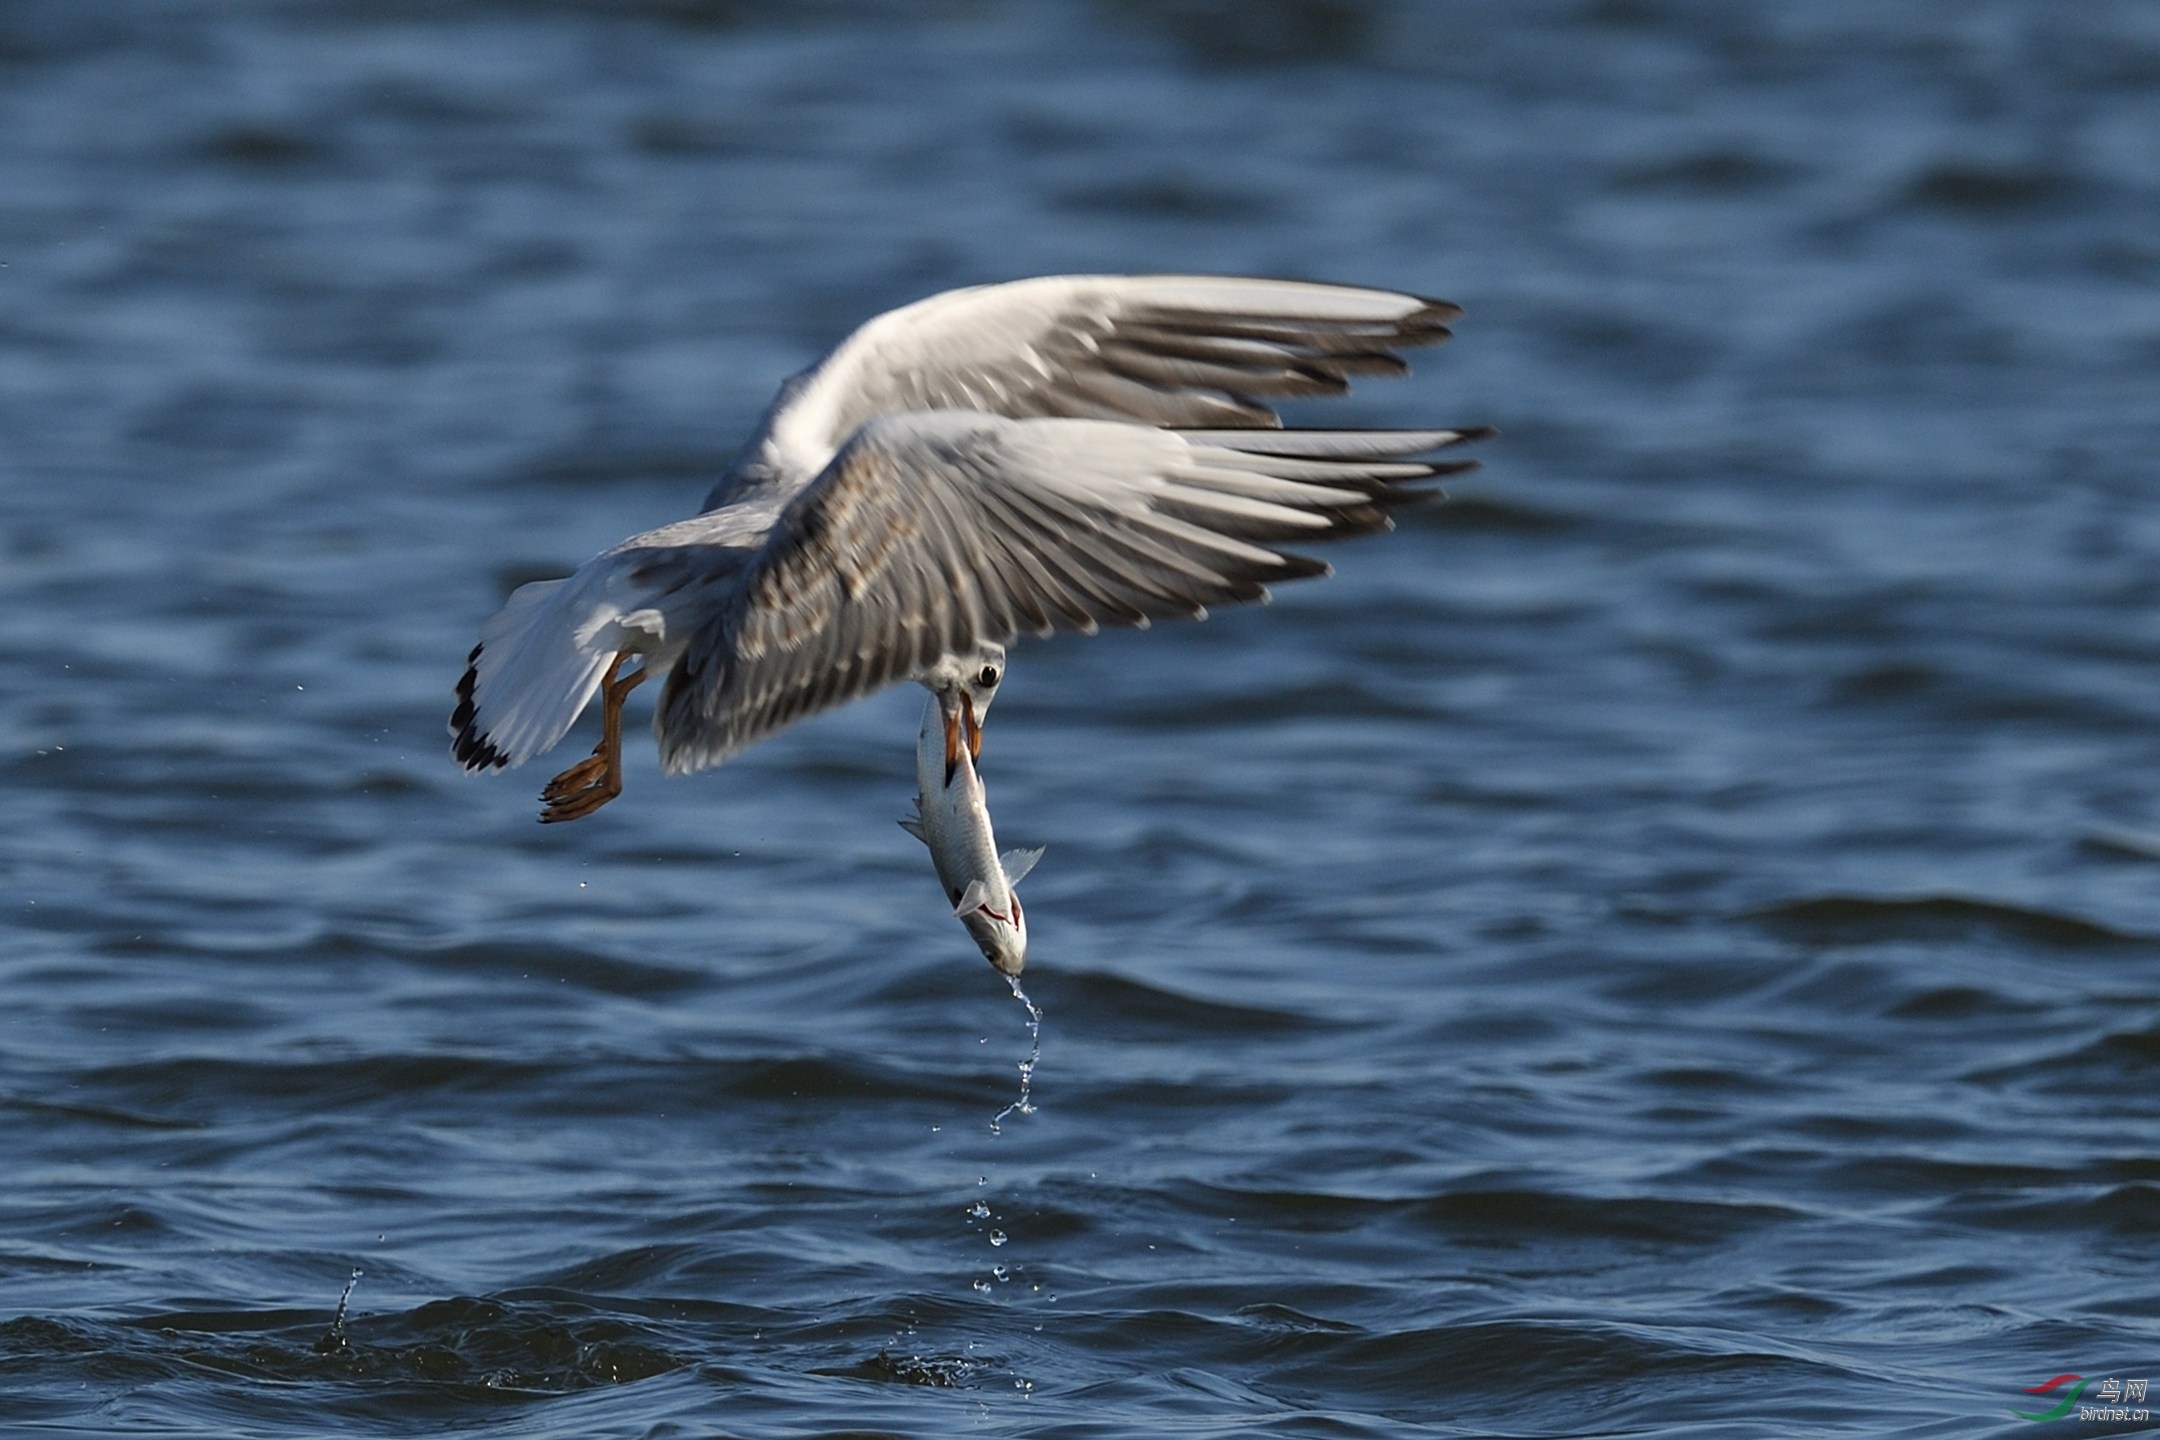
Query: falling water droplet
979,1211
1024,1105
333,1341
997,1237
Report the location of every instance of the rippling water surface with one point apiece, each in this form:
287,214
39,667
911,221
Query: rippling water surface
1663,945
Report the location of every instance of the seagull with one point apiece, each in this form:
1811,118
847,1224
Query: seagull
1052,454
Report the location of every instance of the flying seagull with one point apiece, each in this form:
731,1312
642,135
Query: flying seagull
1060,453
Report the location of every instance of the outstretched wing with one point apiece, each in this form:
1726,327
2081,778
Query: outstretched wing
1181,351
932,531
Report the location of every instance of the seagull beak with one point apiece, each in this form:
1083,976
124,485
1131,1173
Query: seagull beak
952,744
974,726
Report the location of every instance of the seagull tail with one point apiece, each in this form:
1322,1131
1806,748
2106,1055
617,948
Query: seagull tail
527,680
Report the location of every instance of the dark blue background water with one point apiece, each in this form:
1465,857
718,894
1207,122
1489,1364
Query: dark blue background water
1665,944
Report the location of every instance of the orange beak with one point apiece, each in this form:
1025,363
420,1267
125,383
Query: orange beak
965,730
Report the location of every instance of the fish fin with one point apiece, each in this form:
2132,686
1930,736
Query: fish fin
1017,863
914,827
974,897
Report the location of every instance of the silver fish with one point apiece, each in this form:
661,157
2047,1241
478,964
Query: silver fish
954,816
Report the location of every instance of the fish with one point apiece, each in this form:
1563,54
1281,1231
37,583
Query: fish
952,812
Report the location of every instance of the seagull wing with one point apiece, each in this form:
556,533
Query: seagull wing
935,530
1167,350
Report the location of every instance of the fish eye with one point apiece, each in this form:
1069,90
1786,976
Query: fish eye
988,676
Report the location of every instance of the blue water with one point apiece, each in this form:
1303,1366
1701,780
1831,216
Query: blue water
1666,944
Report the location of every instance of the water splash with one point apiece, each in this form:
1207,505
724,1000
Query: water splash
333,1341
1023,1105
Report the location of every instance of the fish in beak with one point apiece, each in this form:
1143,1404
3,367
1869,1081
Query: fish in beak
953,815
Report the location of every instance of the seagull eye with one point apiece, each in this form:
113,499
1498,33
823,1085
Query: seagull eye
988,676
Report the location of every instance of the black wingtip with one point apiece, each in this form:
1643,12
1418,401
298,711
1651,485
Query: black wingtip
472,749
1432,311
1298,567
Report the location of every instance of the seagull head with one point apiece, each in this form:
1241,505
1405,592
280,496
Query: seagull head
965,683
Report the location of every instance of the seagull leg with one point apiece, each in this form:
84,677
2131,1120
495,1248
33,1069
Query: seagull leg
592,782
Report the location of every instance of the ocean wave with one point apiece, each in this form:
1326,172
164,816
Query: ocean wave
472,1345
1844,919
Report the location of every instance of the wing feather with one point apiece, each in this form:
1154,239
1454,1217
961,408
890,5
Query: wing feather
1176,351
934,531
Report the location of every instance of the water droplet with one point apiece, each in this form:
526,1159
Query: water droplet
997,1237
1027,1067
1002,1273
333,1341
979,1211
982,1286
